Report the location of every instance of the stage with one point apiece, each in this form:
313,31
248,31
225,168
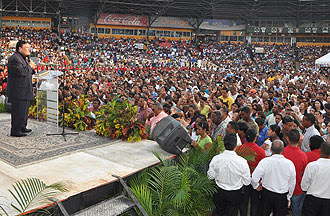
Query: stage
84,163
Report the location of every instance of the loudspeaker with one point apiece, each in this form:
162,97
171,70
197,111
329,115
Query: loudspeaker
170,135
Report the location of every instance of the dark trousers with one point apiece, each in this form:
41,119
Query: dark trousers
227,202
249,192
314,206
19,115
275,202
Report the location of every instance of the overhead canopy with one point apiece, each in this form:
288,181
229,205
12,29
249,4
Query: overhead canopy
324,61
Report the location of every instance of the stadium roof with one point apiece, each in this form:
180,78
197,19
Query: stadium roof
310,10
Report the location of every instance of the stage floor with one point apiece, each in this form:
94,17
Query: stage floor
82,169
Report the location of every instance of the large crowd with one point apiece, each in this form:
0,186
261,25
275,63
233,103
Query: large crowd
214,89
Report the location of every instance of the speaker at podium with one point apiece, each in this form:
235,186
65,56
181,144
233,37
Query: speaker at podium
170,135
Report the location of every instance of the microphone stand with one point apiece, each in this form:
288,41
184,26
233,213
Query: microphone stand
64,134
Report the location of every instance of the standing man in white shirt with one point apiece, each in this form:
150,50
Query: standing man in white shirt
308,123
317,185
230,172
276,177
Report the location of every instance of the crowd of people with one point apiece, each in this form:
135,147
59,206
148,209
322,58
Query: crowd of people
276,103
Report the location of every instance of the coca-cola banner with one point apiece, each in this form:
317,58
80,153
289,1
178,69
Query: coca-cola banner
121,19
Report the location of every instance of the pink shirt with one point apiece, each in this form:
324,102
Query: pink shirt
154,120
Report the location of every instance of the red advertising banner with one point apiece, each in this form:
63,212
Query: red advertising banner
122,19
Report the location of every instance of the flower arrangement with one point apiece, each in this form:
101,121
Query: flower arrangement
117,119
77,115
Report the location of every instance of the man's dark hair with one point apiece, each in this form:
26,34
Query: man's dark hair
225,89
201,116
261,114
20,44
230,141
277,146
192,106
246,109
310,117
175,115
239,96
144,98
250,135
243,126
294,136
315,142
287,119
276,129
166,105
234,125
225,110
218,113
325,149
260,121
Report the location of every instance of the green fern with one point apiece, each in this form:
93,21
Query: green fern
32,192
176,188
247,153
3,212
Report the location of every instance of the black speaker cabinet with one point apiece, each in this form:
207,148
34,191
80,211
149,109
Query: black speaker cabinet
171,135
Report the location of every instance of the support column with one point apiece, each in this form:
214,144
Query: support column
248,38
1,19
59,24
293,40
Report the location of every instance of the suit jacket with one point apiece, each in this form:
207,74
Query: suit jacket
19,78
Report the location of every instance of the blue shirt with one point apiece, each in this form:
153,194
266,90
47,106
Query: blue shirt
262,136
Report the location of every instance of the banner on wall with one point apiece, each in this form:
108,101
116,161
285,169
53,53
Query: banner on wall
122,19
172,22
215,24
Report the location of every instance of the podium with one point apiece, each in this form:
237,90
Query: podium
47,98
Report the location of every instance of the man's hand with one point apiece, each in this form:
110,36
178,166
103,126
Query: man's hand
259,188
289,203
32,65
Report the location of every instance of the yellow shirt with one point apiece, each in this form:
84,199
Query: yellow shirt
270,79
205,111
229,100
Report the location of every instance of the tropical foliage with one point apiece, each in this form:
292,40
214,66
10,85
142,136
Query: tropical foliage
77,114
2,108
176,188
247,153
38,108
117,119
181,188
31,193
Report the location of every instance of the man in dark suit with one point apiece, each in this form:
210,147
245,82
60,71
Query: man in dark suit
19,88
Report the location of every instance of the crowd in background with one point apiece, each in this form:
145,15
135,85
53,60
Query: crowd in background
212,88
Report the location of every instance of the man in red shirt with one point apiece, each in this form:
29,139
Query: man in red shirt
250,147
315,143
299,159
